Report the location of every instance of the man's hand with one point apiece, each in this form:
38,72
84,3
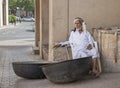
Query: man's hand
57,45
89,47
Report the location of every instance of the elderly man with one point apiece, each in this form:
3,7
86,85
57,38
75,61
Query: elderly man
81,43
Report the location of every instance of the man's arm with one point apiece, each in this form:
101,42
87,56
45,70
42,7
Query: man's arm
91,41
62,44
66,43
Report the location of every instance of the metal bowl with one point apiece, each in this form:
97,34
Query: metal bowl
67,71
29,69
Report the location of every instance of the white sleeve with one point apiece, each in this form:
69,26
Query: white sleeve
64,43
90,39
71,37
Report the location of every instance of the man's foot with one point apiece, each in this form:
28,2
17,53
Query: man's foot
94,73
97,75
90,72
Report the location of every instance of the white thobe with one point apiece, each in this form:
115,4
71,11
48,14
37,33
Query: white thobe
79,42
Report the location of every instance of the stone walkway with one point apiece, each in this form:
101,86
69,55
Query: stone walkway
16,45
9,54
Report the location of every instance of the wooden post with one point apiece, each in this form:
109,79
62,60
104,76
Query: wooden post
116,47
98,59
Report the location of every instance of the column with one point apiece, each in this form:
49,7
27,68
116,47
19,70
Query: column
1,13
44,36
5,12
58,27
37,22
37,27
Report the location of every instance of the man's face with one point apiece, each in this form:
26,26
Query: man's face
77,24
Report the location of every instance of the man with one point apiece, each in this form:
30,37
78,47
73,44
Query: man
81,43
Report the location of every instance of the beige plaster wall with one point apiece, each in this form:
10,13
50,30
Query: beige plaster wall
60,20
96,13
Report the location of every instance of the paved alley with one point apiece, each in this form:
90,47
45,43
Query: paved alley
16,45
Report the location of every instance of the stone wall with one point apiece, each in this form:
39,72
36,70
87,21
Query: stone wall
109,47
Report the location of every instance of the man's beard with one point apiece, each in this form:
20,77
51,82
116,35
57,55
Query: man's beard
78,29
